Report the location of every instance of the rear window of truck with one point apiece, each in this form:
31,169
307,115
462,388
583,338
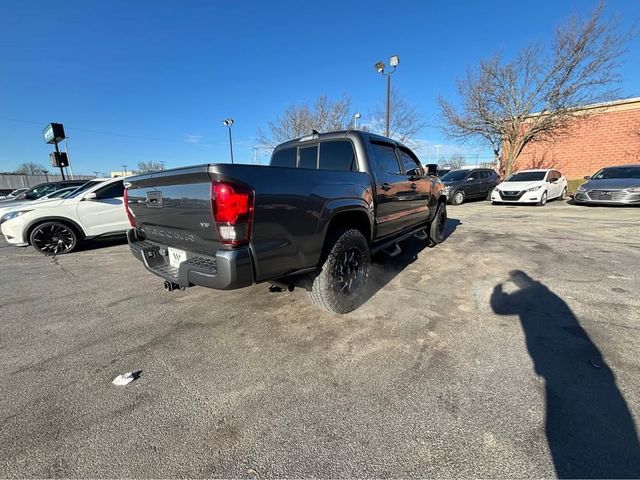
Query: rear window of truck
337,155
334,155
284,158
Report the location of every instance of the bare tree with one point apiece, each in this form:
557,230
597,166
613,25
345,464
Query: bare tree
151,166
31,168
405,121
539,94
297,120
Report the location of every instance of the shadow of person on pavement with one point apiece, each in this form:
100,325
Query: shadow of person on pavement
590,430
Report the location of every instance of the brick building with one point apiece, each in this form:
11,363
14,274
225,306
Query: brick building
610,137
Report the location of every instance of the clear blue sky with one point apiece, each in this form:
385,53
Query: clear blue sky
162,75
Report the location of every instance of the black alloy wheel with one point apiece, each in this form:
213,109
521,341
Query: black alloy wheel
53,238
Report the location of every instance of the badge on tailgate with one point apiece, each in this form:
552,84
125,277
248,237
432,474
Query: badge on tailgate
154,198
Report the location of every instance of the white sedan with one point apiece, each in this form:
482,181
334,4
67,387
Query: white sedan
57,226
531,186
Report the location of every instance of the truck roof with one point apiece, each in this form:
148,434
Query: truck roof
338,134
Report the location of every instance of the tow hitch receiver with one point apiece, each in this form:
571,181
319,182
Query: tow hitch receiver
170,286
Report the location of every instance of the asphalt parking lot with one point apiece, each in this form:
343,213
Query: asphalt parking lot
510,350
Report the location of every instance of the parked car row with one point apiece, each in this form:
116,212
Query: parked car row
611,185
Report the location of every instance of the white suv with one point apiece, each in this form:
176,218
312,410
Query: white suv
58,225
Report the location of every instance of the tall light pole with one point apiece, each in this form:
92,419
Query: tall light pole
227,123
355,120
394,61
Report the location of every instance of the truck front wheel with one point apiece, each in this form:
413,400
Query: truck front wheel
340,285
438,226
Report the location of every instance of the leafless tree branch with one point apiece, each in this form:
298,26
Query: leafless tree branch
539,94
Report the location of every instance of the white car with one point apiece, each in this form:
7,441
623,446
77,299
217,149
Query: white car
531,186
57,226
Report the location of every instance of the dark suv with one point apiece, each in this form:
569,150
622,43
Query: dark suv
465,183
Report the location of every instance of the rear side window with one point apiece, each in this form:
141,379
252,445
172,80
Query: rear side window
115,190
308,157
385,157
284,158
337,155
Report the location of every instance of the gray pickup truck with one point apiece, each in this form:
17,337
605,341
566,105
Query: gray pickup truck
311,219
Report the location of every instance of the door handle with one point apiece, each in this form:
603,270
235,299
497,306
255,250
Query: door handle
385,186
413,186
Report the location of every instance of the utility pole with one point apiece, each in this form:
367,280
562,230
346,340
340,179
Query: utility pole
96,173
124,170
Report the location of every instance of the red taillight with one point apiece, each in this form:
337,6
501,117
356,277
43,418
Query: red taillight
132,220
232,209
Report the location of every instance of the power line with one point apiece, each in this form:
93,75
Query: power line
110,134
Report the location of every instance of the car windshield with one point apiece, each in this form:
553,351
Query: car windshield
455,175
526,177
83,187
617,172
62,193
40,191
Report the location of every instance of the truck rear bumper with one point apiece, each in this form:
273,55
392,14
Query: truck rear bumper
227,270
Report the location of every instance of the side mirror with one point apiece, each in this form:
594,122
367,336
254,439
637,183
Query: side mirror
90,196
432,168
470,179
586,177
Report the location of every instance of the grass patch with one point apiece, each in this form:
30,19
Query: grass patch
572,185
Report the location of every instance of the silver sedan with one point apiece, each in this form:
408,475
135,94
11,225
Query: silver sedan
611,186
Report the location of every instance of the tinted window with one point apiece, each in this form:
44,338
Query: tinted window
481,174
411,166
308,157
82,188
40,191
526,177
337,156
284,158
111,191
455,176
385,156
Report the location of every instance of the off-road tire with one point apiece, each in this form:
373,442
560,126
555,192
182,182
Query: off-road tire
457,198
438,225
327,288
54,238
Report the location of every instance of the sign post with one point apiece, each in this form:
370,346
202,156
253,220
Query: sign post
54,133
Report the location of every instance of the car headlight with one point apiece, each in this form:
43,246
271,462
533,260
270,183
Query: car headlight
11,215
533,189
633,189
581,188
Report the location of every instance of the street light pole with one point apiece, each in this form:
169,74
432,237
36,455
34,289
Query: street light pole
228,122
394,61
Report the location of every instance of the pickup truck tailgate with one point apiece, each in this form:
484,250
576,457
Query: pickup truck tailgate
173,208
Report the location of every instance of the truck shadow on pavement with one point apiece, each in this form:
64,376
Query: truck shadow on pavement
384,268
589,427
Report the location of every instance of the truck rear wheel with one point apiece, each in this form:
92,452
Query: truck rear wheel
340,286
